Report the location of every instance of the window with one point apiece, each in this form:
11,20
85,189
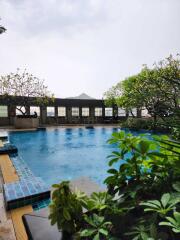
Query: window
34,109
61,111
85,112
121,112
50,112
3,111
22,108
108,112
134,111
75,111
98,112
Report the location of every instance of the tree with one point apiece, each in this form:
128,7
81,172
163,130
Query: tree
2,29
25,86
113,94
157,89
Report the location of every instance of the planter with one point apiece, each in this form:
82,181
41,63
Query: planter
26,122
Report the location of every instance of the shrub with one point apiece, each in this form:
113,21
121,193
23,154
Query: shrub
145,123
138,123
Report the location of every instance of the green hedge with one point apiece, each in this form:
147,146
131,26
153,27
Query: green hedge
144,123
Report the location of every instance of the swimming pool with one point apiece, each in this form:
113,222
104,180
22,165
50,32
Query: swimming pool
65,153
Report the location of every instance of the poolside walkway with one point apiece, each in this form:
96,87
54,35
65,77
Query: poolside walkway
8,170
6,225
16,215
11,225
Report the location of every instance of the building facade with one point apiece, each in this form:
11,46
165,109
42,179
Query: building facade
63,111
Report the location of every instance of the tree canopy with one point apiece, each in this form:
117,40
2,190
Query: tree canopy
25,85
2,29
157,89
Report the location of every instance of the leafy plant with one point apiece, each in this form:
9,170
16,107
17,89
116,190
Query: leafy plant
138,123
139,232
166,204
135,157
66,208
176,186
144,170
98,201
97,227
174,223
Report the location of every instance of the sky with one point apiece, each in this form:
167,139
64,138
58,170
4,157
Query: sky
86,46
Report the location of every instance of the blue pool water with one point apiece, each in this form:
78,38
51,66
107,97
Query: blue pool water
65,154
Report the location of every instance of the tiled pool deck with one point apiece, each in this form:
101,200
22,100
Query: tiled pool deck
28,190
41,204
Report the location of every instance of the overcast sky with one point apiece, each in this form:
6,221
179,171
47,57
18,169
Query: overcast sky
86,45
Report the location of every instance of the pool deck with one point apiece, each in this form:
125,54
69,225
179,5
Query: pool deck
8,170
11,225
16,216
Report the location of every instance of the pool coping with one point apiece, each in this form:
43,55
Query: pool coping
12,128
16,215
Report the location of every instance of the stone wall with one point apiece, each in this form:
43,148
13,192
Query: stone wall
26,122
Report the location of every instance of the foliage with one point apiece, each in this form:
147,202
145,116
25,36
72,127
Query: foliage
2,29
97,226
157,89
136,156
165,205
169,125
72,210
98,201
144,169
138,123
139,232
25,86
176,133
174,223
112,94
143,195
66,208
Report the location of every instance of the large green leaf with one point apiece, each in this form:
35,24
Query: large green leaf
55,186
66,214
87,232
152,203
165,199
112,161
144,146
90,221
103,231
96,237
176,186
112,171
177,217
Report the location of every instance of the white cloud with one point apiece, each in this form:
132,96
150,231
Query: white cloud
86,45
